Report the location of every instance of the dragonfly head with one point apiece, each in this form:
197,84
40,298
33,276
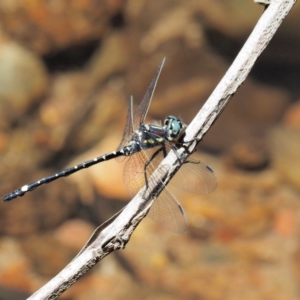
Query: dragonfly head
174,128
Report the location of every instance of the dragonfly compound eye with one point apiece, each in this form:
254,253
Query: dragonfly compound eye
174,128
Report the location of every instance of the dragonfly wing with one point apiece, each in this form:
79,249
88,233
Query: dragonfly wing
133,122
142,109
165,209
168,212
128,130
195,177
134,171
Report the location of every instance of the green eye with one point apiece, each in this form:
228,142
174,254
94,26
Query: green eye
174,128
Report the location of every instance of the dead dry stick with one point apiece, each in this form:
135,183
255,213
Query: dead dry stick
115,233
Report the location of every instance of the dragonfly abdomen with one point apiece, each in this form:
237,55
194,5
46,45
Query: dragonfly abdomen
125,151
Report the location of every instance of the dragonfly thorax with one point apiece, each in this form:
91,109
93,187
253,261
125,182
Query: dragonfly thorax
148,136
174,128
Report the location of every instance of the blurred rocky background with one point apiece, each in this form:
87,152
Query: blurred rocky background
67,70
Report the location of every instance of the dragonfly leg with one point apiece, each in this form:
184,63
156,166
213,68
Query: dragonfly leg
196,162
174,148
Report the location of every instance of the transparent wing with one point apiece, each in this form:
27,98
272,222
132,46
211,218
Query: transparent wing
128,130
168,212
165,210
134,170
195,177
133,122
142,109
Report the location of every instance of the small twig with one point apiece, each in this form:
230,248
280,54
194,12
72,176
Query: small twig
115,233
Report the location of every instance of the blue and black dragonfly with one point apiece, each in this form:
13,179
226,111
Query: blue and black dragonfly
145,145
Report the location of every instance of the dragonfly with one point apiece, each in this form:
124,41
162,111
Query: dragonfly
145,145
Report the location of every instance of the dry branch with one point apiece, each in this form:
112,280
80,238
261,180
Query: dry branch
115,233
